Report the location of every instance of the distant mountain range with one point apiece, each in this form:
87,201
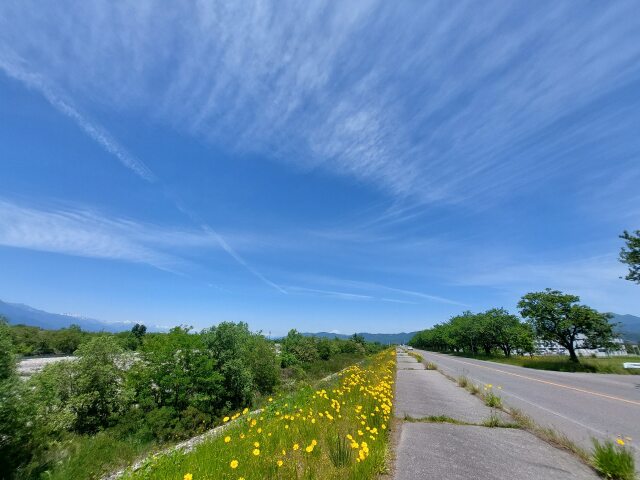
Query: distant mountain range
384,338
629,328
17,313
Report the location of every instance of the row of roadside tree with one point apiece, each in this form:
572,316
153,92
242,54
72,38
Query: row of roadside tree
550,316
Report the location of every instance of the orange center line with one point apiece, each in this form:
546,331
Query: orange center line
590,392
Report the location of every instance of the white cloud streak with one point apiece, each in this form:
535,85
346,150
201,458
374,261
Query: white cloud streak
87,234
64,106
370,290
106,141
434,102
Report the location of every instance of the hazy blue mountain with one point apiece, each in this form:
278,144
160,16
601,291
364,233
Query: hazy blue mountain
384,338
630,326
18,313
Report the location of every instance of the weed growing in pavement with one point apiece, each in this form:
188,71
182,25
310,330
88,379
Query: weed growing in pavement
494,421
436,419
417,356
549,435
473,389
463,381
490,398
431,366
613,460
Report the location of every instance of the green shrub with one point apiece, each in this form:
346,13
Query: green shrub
613,461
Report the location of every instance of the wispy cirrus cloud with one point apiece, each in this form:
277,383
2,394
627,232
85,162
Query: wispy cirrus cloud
344,295
87,233
434,102
14,69
367,290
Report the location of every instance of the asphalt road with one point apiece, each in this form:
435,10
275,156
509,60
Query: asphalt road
579,405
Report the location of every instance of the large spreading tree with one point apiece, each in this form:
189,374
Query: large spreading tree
630,254
557,317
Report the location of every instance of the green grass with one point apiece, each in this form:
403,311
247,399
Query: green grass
563,364
613,461
322,368
82,456
299,436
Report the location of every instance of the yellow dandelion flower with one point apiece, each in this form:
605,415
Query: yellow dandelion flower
280,462
227,439
620,442
245,411
225,419
296,446
233,464
187,476
256,451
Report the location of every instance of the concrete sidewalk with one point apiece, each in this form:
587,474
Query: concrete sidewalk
452,451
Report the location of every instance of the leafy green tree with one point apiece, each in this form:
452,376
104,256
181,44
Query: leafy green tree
557,317
139,331
97,380
176,371
7,357
302,348
238,351
15,410
506,331
328,348
630,254
67,340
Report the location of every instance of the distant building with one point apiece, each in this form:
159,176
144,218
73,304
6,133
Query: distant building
543,347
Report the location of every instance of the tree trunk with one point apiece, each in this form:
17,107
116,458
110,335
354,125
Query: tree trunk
572,353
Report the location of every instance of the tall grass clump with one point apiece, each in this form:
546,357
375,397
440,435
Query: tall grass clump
490,398
336,432
463,381
340,451
613,460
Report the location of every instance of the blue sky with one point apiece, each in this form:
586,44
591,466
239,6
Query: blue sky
340,166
